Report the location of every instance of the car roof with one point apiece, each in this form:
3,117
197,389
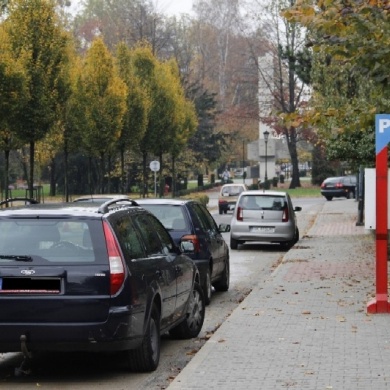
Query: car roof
77,209
99,198
234,185
263,193
173,202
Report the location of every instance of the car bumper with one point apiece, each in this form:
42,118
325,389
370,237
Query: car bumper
113,335
335,193
280,235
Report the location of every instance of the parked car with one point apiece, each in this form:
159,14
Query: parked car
94,277
339,187
264,216
228,196
190,224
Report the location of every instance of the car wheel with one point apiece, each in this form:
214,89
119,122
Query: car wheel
225,211
207,287
220,210
351,195
223,283
193,322
329,198
296,238
233,243
146,357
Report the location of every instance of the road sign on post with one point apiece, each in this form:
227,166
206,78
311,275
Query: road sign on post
380,303
155,167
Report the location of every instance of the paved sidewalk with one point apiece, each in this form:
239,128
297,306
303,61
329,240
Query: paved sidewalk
307,327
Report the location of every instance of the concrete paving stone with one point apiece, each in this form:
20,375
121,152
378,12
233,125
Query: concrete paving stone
307,326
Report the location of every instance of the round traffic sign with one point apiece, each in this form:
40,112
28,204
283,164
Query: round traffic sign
154,166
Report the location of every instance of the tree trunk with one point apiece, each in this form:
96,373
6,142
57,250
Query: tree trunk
31,178
144,189
123,174
6,174
66,173
292,147
161,189
53,177
173,177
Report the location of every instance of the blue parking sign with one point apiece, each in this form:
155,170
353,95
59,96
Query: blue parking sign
382,131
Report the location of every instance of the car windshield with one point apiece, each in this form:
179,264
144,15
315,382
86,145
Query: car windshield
171,216
49,241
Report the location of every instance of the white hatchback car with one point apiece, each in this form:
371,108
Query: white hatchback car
264,216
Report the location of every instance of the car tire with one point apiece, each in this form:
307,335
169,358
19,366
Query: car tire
146,357
233,243
329,198
223,283
207,287
220,211
193,322
296,238
225,211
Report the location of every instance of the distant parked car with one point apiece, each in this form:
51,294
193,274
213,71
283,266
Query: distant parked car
264,216
192,226
228,196
339,187
94,277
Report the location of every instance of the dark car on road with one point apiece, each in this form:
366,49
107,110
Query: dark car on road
190,224
94,277
339,187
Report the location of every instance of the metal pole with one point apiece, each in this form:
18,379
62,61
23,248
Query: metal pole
243,161
266,156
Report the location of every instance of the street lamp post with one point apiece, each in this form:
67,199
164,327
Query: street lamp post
243,162
266,135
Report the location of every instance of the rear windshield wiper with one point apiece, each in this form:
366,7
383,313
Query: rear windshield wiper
17,257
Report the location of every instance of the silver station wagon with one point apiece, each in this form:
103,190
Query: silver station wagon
264,216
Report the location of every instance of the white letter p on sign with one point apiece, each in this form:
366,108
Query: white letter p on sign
383,124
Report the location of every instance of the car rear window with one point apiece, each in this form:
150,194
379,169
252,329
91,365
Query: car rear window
171,216
262,202
54,240
231,190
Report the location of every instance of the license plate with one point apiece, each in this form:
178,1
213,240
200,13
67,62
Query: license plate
262,229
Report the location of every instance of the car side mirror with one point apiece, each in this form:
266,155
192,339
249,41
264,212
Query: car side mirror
298,208
187,246
224,228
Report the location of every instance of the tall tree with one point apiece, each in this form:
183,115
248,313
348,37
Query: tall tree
104,96
138,105
282,78
350,42
12,94
38,41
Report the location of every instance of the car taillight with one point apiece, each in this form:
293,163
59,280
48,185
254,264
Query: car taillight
194,239
339,185
239,214
117,269
285,215
323,185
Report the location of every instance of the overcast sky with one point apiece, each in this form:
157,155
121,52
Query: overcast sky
174,7
169,7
